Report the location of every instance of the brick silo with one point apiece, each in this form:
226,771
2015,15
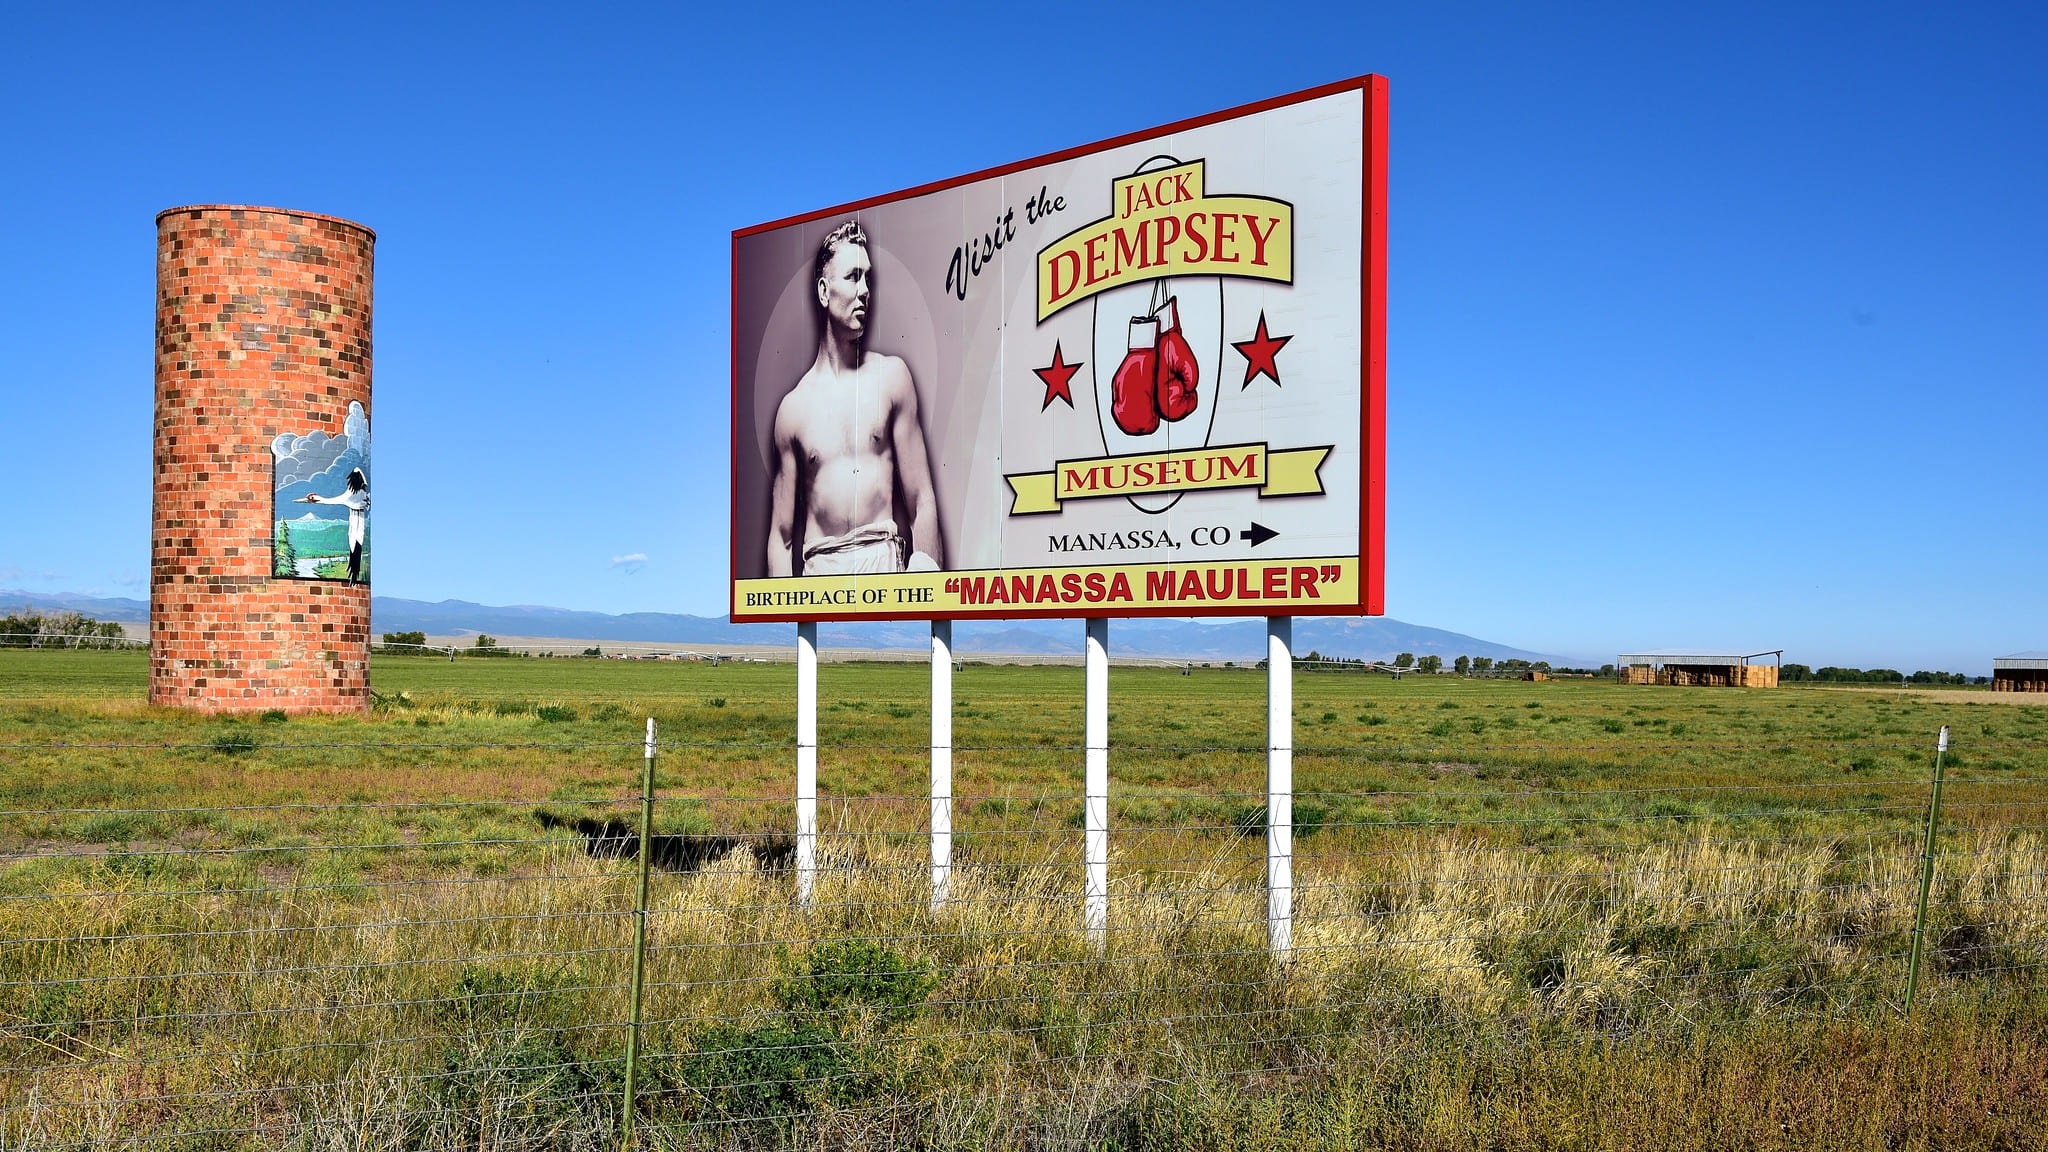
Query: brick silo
258,578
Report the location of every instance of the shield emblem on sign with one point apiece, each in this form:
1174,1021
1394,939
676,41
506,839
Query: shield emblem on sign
1158,352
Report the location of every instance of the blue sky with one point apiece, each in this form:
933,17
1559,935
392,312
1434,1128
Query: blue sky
1726,326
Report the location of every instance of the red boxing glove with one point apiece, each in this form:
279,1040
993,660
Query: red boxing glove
1180,377
1134,390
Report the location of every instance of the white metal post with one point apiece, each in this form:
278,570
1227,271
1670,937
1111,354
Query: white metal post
1280,784
942,762
806,759
1095,914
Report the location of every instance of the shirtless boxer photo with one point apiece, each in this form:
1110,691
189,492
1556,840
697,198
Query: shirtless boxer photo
849,450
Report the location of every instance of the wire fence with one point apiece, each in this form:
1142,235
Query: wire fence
399,973
109,638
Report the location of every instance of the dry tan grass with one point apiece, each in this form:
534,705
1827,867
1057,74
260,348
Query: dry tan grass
175,1008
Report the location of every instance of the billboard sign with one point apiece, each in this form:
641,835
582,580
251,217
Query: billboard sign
1140,377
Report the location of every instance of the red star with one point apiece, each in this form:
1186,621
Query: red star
1058,379
1258,353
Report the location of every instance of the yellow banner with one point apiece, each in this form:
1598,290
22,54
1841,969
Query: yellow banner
1162,223
1268,588
1291,472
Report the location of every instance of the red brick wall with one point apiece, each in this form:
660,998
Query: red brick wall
262,327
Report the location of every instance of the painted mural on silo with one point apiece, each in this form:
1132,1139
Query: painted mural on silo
321,502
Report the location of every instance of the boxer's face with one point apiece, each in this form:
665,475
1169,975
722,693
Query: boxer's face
844,289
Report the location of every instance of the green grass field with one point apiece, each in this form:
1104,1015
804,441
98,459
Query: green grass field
1528,915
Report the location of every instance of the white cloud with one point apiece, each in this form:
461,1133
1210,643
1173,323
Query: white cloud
631,562
357,427
303,459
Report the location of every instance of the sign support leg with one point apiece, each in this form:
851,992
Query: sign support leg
1280,785
942,762
806,759
1096,661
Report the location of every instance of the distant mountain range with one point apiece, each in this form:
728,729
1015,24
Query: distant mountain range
119,609
1349,637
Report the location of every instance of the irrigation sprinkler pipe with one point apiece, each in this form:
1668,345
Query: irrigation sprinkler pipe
639,941
1926,872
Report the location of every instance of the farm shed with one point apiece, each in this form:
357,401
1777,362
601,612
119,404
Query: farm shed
1700,669
2020,672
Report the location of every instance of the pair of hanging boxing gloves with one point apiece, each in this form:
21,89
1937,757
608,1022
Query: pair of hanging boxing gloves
1158,377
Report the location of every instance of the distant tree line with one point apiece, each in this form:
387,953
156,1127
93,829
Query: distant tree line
31,629
1488,666
403,643
415,644
1829,674
1434,665
1315,661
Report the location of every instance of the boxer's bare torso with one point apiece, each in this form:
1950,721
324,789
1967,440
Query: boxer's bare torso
836,436
848,441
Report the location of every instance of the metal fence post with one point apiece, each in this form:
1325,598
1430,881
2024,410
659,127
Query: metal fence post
1926,872
639,941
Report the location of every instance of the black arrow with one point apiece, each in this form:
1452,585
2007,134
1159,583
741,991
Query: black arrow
1258,534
